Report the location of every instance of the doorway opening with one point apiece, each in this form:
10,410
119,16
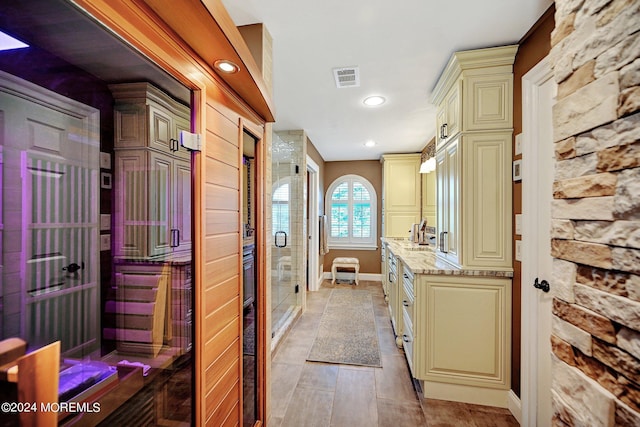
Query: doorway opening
539,91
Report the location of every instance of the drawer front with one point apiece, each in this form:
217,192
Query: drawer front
393,265
407,341
407,307
407,282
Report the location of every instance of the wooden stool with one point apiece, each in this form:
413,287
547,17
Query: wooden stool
344,262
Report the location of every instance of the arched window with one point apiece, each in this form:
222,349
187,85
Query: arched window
351,210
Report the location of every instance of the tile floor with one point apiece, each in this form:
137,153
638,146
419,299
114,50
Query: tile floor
319,394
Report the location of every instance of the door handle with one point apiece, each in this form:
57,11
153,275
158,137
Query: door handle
73,267
175,238
279,235
543,286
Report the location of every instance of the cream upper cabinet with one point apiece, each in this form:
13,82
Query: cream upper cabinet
449,115
473,171
401,201
151,169
490,101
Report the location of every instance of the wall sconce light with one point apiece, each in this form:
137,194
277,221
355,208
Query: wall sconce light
428,166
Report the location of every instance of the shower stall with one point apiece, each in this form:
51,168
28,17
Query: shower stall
287,248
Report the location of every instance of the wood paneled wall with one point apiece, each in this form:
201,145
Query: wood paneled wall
221,263
220,112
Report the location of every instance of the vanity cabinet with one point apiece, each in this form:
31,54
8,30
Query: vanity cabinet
152,212
454,324
473,172
461,330
401,201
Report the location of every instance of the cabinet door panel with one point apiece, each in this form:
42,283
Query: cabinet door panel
469,316
160,187
490,102
448,199
181,214
160,129
488,196
402,185
398,224
130,231
452,105
130,126
180,124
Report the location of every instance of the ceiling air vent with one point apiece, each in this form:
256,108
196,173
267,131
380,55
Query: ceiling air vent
346,77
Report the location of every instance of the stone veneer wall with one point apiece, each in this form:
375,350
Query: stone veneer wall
596,213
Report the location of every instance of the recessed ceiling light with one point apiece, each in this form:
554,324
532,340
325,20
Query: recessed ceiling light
227,67
370,143
374,101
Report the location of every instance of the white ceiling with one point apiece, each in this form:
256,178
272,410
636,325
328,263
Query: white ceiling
400,47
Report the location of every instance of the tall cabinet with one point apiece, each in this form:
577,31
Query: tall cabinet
400,193
151,224
151,168
474,99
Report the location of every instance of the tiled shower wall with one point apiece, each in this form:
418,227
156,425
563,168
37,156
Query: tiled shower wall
596,213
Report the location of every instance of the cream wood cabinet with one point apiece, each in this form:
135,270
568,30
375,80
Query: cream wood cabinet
152,173
449,115
473,170
394,268
400,194
459,329
448,201
384,271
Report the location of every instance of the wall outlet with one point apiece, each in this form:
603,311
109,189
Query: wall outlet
105,222
519,224
518,148
519,250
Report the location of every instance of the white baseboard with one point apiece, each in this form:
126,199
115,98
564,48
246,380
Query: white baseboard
515,406
345,275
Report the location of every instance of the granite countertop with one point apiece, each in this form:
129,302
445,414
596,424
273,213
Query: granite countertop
422,259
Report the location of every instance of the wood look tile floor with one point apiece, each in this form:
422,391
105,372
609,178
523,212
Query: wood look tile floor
323,395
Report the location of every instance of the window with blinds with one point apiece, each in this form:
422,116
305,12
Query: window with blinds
351,201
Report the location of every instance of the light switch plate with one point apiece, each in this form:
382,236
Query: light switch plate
105,242
518,250
518,144
105,222
105,160
519,224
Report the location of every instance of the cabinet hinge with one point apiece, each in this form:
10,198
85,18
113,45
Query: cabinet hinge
191,141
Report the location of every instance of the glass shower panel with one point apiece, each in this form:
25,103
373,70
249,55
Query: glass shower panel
285,275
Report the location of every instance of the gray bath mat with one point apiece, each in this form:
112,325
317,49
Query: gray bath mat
347,333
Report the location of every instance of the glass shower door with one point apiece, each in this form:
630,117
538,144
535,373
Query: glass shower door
286,196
